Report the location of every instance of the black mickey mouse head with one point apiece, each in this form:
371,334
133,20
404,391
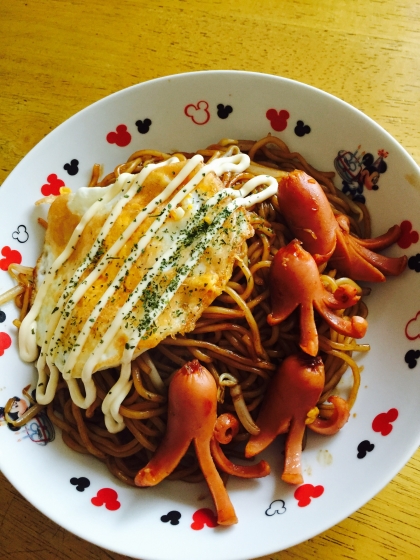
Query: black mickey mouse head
2,316
301,129
277,507
364,447
414,263
143,126
72,168
411,358
223,111
21,234
81,483
173,517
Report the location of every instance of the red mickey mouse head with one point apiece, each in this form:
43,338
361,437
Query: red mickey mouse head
107,497
383,422
202,517
52,187
278,120
306,492
412,328
408,235
199,113
121,137
10,257
5,342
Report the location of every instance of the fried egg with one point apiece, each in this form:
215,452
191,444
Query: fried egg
125,266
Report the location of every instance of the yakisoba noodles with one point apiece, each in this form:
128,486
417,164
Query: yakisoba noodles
105,361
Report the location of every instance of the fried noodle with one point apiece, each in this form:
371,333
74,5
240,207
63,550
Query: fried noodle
232,337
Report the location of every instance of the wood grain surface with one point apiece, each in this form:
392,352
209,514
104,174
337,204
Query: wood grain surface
59,56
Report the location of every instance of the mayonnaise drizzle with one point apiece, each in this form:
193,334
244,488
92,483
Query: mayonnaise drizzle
45,392
198,247
70,297
27,332
182,261
233,163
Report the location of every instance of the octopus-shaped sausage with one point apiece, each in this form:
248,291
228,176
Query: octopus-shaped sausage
192,417
295,281
356,257
327,237
291,396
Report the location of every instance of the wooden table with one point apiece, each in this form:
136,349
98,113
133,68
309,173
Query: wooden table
58,56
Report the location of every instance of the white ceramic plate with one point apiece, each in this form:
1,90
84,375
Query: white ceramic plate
187,112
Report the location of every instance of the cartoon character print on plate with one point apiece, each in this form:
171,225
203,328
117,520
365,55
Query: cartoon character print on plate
408,235
411,358
80,483
412,328
383,422
364,448
72,168
172,517
199,113
301,129
203,517
144,126
121,137
223,111
10,256
414,262
278,119
278,507
2,316
359,171
52,186
21,234
5,342
305,493
38,427
107,497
